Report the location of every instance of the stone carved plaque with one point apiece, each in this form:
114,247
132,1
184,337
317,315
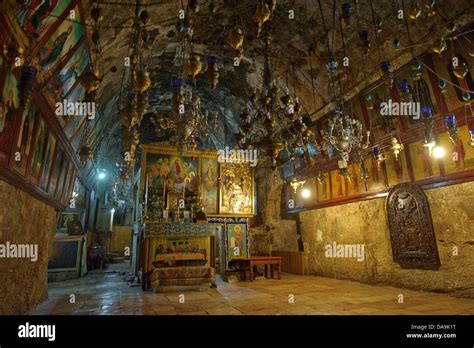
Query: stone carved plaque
411,229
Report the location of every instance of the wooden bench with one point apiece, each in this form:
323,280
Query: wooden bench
249,263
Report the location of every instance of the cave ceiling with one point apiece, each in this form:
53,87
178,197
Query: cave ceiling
299,54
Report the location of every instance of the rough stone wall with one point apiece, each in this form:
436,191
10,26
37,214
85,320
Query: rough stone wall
365,223
271,231
24,220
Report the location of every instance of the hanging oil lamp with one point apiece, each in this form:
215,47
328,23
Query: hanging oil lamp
396,148
90,80
346,12
440,46
25,86
405,93
296,184
378,156
470,142
235,38
451,126
85,154
414,11
442,85
262,14
141,81
193,66
212,71
365,42
461,69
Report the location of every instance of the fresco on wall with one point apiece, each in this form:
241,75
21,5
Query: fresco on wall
22,144
36,16
59,44
10,103
62,83
209,184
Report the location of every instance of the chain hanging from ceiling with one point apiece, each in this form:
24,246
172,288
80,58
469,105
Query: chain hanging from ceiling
136,102
275,123
183,117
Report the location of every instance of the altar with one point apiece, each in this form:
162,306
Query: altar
179,255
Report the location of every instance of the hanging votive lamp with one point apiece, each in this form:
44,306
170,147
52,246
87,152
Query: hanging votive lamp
385,66
404,89
440,46
212,71
346,12
466,96
378,24
364,37
396,148
442,85
426,112
396,43
27,77
471,137
460,69
415,11
451,125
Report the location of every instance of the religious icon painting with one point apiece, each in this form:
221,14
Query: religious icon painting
67,183
8,109
210,184
375,173
424,165
36,16
39,151
459,155
324,190
397,170
236,240
61,84
355,185
23,140
58,45
236,193
50,149
61,178
338,185
57,163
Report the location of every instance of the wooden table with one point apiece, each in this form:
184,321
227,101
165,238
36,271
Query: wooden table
249,263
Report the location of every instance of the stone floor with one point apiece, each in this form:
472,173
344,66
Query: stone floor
106,292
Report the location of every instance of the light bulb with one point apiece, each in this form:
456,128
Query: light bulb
101,175
306,193
438,152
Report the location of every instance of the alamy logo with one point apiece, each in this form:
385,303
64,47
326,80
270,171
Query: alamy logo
393,108
10,250
37,331
67,108
233,156
345,251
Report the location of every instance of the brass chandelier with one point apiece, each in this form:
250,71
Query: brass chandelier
275,124
182,117
186,121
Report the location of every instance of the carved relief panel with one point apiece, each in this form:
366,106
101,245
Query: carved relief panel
411,229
